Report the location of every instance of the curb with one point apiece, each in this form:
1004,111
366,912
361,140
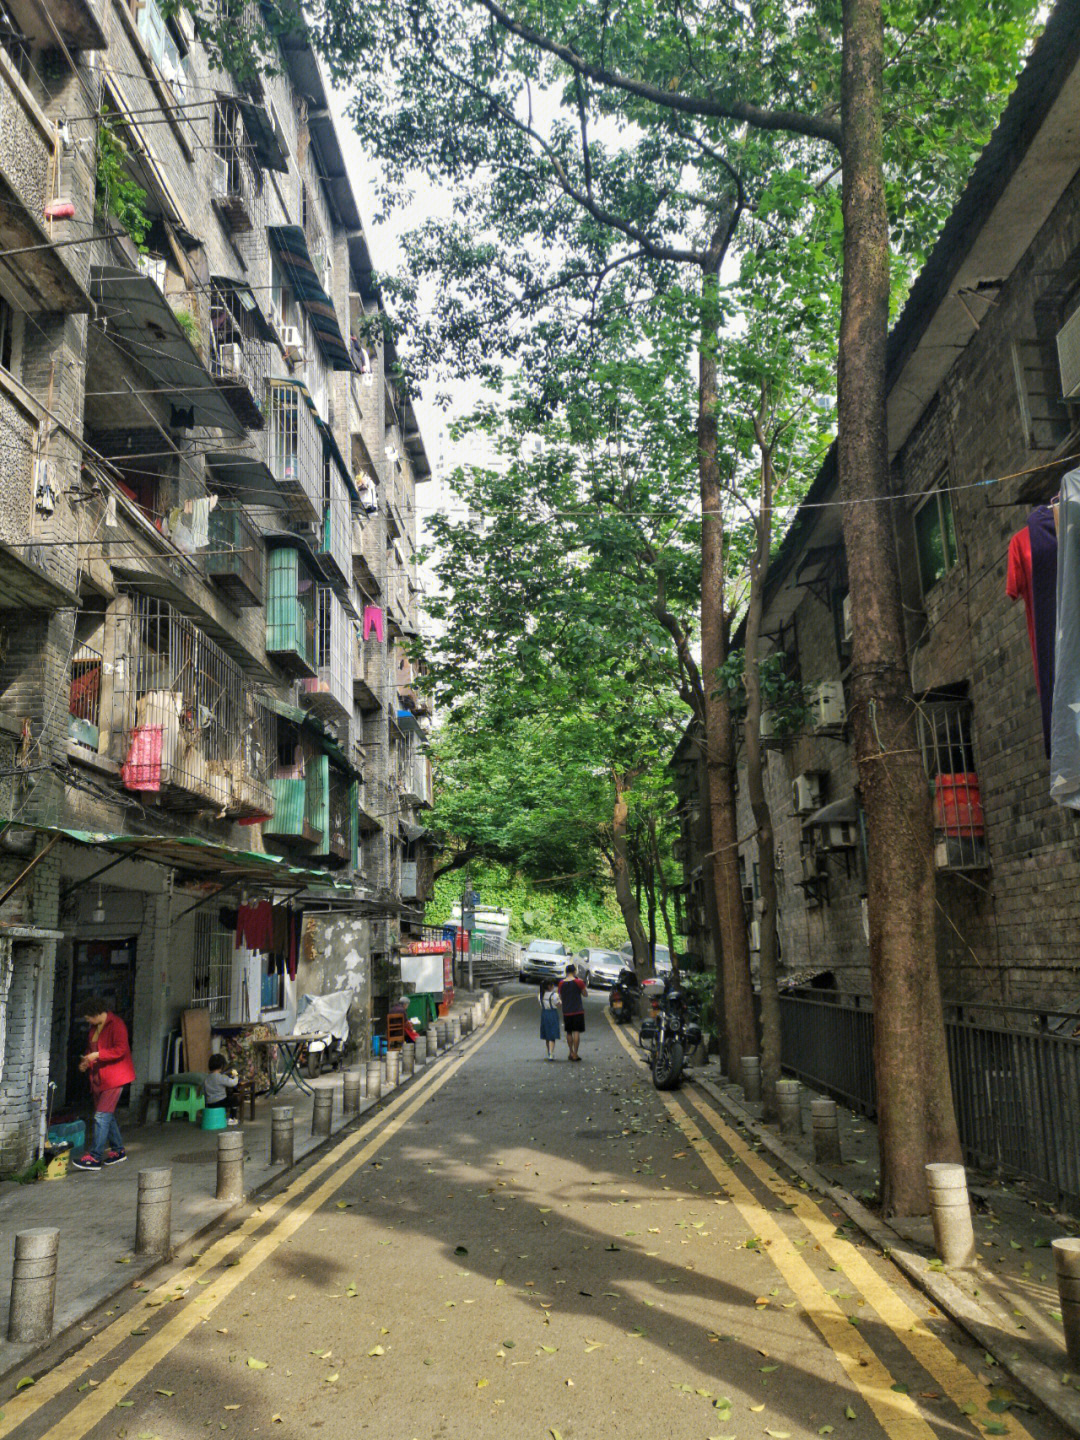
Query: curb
1042,1382
71,1339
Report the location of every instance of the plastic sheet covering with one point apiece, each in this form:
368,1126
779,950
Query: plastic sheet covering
1065,719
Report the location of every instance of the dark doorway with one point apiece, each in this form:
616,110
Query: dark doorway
105,968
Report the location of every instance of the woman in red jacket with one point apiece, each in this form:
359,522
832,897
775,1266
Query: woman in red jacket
108,1061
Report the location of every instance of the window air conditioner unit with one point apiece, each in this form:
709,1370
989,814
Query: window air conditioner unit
847,631
806,794
230,358
828,708
811,867
755,934
292,343
842,835
1068,349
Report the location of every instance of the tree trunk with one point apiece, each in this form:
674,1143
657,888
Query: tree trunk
755,785
665,893
624,890
916,1121
735,990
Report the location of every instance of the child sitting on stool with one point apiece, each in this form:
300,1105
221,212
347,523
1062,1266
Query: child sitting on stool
219,1088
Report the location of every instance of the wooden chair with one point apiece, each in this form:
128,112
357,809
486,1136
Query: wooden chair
395,1030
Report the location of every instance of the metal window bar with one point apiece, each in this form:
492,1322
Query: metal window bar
237,178
211,982
258,760
949,760
84,696
294,451
236,558
177,706
14,42
337,522
334,651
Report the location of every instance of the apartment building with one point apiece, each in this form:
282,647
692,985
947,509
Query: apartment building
983,423
208,584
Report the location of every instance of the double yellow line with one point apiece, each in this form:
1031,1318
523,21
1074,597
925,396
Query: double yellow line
896,1411
299,1201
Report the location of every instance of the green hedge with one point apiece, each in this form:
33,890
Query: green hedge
577,914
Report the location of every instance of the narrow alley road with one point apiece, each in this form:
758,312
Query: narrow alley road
523,1249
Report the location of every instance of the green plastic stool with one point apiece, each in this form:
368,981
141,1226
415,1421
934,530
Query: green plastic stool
186,1098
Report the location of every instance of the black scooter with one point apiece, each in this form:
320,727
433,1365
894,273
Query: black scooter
670,1037
624,997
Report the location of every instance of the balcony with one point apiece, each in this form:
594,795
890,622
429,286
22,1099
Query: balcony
330,691
253,798
415,774
294,449
84,698
368,555
335,549
369,673
175,705
341,838
290,612
240,337
234,560
301,805
237,188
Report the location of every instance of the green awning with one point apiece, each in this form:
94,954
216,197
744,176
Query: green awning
291,245
329,746
264,134
193,852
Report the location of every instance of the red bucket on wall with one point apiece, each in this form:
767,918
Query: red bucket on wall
958,805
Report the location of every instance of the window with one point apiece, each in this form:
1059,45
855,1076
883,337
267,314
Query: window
935,536
7,333
163,45
211,982
949,758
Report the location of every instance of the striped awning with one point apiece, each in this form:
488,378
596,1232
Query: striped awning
291,245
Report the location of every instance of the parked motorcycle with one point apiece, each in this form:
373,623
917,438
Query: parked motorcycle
673,1034
325,1017
624,997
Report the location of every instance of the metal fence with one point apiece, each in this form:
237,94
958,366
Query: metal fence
1015,1076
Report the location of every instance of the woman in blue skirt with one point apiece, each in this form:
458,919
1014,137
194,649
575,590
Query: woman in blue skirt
549,1015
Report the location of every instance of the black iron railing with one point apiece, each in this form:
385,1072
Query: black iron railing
1015,1075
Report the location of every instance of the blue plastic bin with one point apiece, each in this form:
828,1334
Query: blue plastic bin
73,1134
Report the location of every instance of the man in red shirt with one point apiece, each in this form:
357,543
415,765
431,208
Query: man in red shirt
571,990
109,1065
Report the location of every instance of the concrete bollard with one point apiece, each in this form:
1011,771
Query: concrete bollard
230,1166
433,1042
351,1083
153,1213
825,1124
465,1021
33,1285
950,1210
789,1107
420,1049
455,1030
374,1079
393,1069
322,1111
408,1059
282,1135
1067,1265
750,1069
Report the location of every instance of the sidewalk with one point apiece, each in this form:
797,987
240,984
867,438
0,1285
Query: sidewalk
1008,1300
95,1211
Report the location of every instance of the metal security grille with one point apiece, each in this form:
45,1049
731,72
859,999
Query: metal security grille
337,522
294,451
949,759
237,178
212,977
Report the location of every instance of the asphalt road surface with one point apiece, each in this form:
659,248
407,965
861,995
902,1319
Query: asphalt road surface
516,1248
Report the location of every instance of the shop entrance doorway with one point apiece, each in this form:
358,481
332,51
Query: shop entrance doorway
105,968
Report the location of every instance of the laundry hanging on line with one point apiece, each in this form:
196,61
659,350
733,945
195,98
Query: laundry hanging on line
1065,719
373,620
1032,577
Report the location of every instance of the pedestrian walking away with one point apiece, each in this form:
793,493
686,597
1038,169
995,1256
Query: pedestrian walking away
108,1064
571,993
549,1015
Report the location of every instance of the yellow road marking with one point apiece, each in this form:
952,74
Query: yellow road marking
935,1357
26,1402
897,1413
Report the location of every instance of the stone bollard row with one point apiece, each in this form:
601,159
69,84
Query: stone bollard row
1067,1268
282,1138
230,1166
750,1070
420,1049
374,1079
950,1210
825,1124
322,1111
432,1042
408,1059
33,1285
455,1030
153,1212
351,1083
789,1107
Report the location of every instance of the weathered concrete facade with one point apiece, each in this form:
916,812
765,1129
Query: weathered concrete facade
207,548
980,430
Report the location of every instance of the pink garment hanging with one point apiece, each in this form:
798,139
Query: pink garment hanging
373,620
142,768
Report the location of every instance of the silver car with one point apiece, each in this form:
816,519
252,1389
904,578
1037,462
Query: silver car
662,961
543,960
600,968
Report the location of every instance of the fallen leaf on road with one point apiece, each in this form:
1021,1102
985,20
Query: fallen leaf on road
254,1364
849,1411
26,1380
757,1408
480,1384
500,1282
376,1350
230,1407
333,1379
157,1392
779,1434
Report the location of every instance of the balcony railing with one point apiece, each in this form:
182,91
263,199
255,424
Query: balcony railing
336,546
177,707
235,560
330,691
84,697
290,611
294,449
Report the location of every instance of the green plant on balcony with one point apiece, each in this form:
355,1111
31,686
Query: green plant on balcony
190,327
116,194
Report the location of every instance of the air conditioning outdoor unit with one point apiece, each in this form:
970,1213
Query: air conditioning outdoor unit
842,835
847,630
292,344
230,358
1068,349
755,935
811,867
748,894
806,793
828,708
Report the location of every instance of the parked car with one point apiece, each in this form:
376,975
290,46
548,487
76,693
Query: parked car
599,968
662,961
543,960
